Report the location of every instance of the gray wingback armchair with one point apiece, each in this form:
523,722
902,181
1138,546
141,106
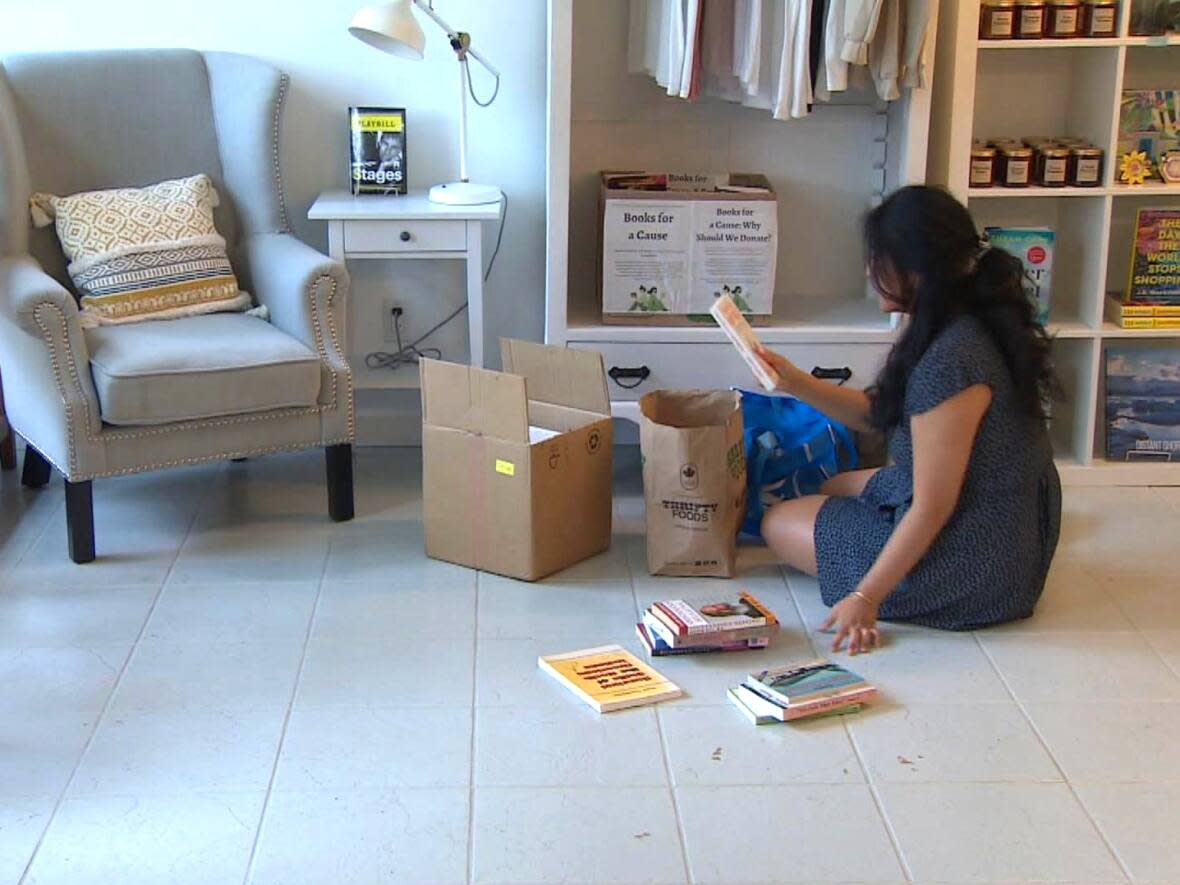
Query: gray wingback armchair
112,400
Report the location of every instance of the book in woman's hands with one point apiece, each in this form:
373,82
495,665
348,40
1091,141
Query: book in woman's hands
742,336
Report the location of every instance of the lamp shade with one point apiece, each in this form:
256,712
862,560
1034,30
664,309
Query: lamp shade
390,27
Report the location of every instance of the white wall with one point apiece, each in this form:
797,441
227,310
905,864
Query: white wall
331,70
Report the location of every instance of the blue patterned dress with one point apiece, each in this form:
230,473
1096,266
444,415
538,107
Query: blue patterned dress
989,563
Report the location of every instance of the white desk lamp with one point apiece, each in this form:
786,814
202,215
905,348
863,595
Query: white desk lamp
393,28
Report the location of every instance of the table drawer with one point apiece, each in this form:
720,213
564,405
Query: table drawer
405,236
718,365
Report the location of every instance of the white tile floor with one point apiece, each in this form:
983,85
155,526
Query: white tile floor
239,691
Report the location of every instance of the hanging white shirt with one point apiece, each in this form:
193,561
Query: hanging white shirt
915,53
860,25
885,62
793,96
833,76
747,44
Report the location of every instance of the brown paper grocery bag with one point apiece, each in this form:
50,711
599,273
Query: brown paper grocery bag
694,480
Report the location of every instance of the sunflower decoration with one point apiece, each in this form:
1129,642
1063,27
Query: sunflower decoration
1135,167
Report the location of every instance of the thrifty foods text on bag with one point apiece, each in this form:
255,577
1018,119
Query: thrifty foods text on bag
691,511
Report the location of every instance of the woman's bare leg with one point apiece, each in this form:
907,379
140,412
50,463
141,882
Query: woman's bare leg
789,529
848,485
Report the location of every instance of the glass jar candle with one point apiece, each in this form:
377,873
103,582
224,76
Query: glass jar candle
1099,18
997,19
1063,18
1015,166
1085,166
1030,19
1052,166
983,166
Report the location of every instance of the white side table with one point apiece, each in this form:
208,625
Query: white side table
410,226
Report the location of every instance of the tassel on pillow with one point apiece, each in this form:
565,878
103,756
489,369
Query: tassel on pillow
42,209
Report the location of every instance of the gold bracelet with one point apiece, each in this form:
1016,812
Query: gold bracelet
864,597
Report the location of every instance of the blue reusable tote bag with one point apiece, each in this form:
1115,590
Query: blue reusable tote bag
791,450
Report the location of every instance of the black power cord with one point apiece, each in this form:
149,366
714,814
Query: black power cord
408,354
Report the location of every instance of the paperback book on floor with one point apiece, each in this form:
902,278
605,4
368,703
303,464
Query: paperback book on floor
735,623
800,691
609,678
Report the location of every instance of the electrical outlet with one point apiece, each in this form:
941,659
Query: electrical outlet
393,314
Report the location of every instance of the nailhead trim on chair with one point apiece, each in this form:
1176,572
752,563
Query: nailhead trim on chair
283,81
317,328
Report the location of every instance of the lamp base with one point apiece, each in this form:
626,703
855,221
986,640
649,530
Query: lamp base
464,193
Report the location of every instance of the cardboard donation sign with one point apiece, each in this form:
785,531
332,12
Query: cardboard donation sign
694,481
516,465
673,244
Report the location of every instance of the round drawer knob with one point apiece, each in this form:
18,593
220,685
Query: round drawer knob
405,236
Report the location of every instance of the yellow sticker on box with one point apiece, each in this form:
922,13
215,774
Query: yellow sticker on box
505,467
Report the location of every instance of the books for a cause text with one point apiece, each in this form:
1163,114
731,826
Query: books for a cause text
741,334
609,678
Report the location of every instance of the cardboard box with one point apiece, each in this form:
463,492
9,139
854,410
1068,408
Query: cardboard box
516,465
672,244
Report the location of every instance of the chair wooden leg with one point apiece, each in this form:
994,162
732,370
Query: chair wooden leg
8,452
340,502
80,520
35,472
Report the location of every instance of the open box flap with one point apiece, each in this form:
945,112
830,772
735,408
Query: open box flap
474,400
558,375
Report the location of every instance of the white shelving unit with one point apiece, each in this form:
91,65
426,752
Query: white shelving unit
993,88
827,169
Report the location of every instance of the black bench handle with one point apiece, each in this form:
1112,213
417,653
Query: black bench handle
636,374
840,375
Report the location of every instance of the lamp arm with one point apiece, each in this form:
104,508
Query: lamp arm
427,7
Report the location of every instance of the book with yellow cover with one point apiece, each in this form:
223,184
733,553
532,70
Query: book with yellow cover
609,678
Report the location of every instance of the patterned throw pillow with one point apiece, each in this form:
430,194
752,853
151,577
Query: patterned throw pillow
144,253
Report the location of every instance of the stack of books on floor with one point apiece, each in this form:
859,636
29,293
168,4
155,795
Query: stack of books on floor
799,691
676,627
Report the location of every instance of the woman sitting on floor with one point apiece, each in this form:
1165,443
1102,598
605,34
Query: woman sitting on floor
959,530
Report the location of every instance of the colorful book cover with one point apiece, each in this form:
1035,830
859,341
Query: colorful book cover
742,336
609,678
377,141
1149,121
660,628
1155,256
797,683
1034,247
714,617
658,647
1142,403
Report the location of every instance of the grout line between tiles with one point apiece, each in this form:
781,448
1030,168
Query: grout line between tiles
471,742
1106,842
681,835
98,720
274,769
878,802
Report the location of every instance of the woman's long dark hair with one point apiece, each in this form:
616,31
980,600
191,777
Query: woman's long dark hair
925,255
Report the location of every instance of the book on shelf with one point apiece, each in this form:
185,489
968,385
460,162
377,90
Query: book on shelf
1143,314
609,678
802,685
1142,403
1155,257
742,336
760,711
1034,247
657,647
714,617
